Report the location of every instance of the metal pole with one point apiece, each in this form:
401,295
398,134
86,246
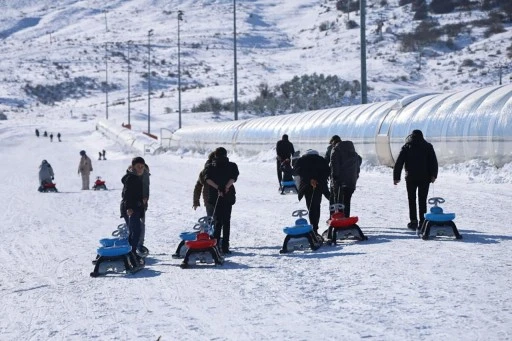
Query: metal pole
149,80
129,70
364,96
235,68
180,18
106,81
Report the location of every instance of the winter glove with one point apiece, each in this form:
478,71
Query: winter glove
313,183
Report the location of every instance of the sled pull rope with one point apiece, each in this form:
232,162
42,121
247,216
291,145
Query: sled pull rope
311,202
215,207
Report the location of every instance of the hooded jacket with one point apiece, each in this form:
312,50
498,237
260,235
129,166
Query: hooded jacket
45,172
284,149
220,171
345,165
312,166
418,157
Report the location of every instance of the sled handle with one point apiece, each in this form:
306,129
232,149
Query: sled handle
299,213
435,200
121,228
337,207
205,220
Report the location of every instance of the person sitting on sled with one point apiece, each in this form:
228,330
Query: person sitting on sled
286,168
45,174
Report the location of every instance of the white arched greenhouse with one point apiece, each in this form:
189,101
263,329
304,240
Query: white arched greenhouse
463,125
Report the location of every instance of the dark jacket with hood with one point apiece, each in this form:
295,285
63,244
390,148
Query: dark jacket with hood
345,165
418,157
220,171
132,193
312,166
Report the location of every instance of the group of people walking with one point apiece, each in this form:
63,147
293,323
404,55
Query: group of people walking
335,175
45,134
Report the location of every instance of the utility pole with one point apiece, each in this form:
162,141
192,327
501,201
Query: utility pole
106,80
180,18
235,67
129,70
150,32
364,96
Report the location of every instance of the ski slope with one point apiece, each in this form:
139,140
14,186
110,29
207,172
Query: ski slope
392,287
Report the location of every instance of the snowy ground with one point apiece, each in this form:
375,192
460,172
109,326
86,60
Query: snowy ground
392,287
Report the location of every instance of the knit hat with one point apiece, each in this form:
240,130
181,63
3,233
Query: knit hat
82,152
137,160
311,152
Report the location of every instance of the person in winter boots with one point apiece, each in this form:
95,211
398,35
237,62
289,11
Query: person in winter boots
313,171
132,204
145,199
202,187
85,168
421,168
220,176
45,174
345,167
284,150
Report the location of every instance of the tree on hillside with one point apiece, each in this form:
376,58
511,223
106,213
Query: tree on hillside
442,6
421,10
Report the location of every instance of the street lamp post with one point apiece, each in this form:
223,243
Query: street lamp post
150,32
129,70
106,80
235,68
180,18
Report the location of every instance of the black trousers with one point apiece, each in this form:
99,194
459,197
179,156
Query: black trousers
422,188
313,201
222,223
342,195
279,172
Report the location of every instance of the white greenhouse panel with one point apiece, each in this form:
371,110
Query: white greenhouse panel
462,125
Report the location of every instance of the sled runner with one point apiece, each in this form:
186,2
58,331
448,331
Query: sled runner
181,250
341,227
47,187
300,235
99,184
437,223
117,250
203,248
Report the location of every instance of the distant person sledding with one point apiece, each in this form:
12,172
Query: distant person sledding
288,184
99,184
46,177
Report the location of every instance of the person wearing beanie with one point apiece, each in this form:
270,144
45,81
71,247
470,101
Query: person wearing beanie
132,204
85,169
284,150
220,176
421,168
332,142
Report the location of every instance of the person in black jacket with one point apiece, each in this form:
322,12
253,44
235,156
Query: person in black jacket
284,150
220,175
313,171
132,205
420,161
345,167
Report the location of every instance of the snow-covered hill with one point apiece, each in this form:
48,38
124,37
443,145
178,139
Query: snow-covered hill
54,42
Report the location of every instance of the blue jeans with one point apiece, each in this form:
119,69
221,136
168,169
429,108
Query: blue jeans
134,227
